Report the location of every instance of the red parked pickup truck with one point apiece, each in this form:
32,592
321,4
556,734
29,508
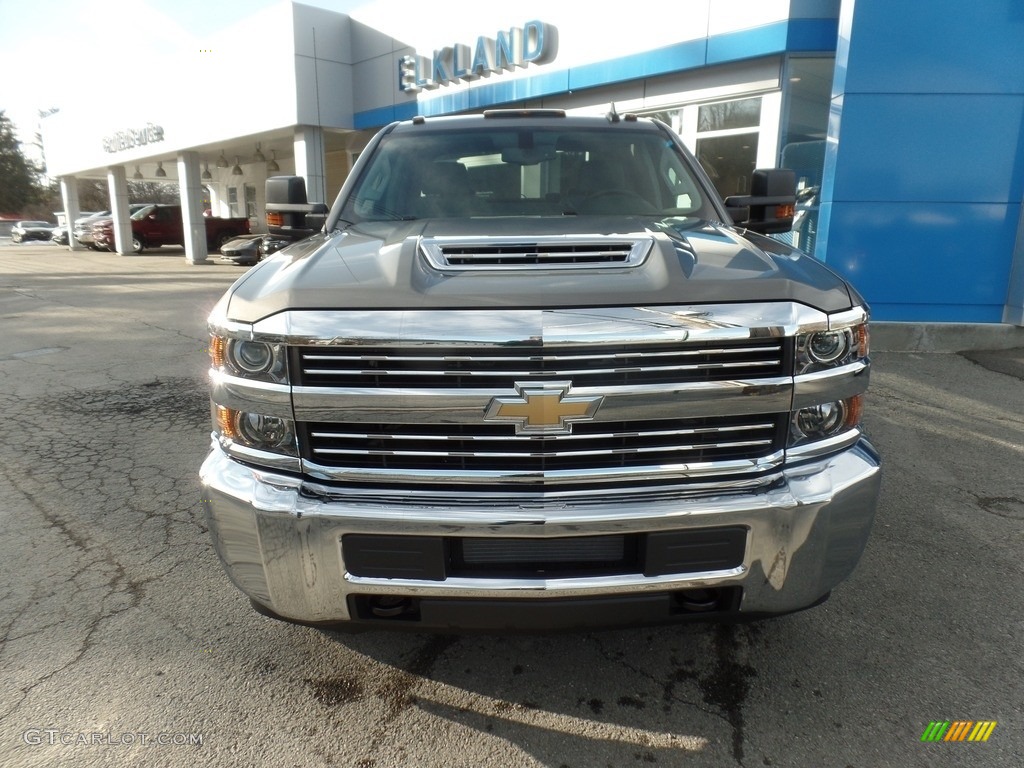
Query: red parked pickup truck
157,225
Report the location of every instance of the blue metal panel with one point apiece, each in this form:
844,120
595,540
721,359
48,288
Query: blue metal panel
748,43
954,147
505,91
812,35
925,174
905,255
793,35
672,58
938,46
373,118
445,104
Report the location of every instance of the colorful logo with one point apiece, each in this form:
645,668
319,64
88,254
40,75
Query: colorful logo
958,730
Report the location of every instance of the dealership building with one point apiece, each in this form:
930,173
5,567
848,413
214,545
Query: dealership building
904,122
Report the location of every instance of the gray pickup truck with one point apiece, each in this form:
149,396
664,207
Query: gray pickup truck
529,375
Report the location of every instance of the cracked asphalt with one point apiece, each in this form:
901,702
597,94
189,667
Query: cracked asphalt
122,643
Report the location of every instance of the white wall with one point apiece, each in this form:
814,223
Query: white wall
243,84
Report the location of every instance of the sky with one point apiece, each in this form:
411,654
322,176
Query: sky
59,53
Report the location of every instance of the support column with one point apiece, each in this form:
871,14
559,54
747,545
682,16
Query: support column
117,185
69,196
309,162
922,183
1013,311
194,226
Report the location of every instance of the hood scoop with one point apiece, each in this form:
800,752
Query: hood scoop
459,254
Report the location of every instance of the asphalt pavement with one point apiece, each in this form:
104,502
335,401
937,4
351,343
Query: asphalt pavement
122,643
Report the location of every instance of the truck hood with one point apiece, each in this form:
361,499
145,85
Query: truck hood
379,265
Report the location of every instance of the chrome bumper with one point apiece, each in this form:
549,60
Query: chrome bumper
280,542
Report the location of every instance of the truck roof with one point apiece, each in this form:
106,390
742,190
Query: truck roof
526,117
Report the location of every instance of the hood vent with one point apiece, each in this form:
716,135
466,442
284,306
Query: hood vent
450,254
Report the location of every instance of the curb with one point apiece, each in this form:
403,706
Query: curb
945,337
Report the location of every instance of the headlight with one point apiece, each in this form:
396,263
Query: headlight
249,359
827,346
258,431
820,350
819,422
252,357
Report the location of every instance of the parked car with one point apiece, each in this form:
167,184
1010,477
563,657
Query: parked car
31,230
59,235
156,225
249,249
84,224
82,229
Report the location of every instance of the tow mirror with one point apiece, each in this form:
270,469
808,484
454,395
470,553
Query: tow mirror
771,204
289,215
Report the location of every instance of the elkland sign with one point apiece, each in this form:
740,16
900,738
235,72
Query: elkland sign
533,43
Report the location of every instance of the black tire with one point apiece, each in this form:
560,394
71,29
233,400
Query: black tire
137,244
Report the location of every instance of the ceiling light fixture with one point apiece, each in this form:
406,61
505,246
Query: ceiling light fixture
160,172
272,166
237,170
138,174
222,162
258,157
207,176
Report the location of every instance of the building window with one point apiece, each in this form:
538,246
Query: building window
233,202
730,137
250,201
804,130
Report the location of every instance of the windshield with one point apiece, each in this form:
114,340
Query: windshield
526,171
143,212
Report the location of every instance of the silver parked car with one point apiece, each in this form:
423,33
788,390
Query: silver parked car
31,230
82,230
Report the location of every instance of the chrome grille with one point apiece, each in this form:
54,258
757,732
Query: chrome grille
541,252
496,448
499,367
396,401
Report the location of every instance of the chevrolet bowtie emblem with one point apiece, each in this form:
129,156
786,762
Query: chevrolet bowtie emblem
543,408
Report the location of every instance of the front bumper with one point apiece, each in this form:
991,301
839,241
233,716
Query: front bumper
280,541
